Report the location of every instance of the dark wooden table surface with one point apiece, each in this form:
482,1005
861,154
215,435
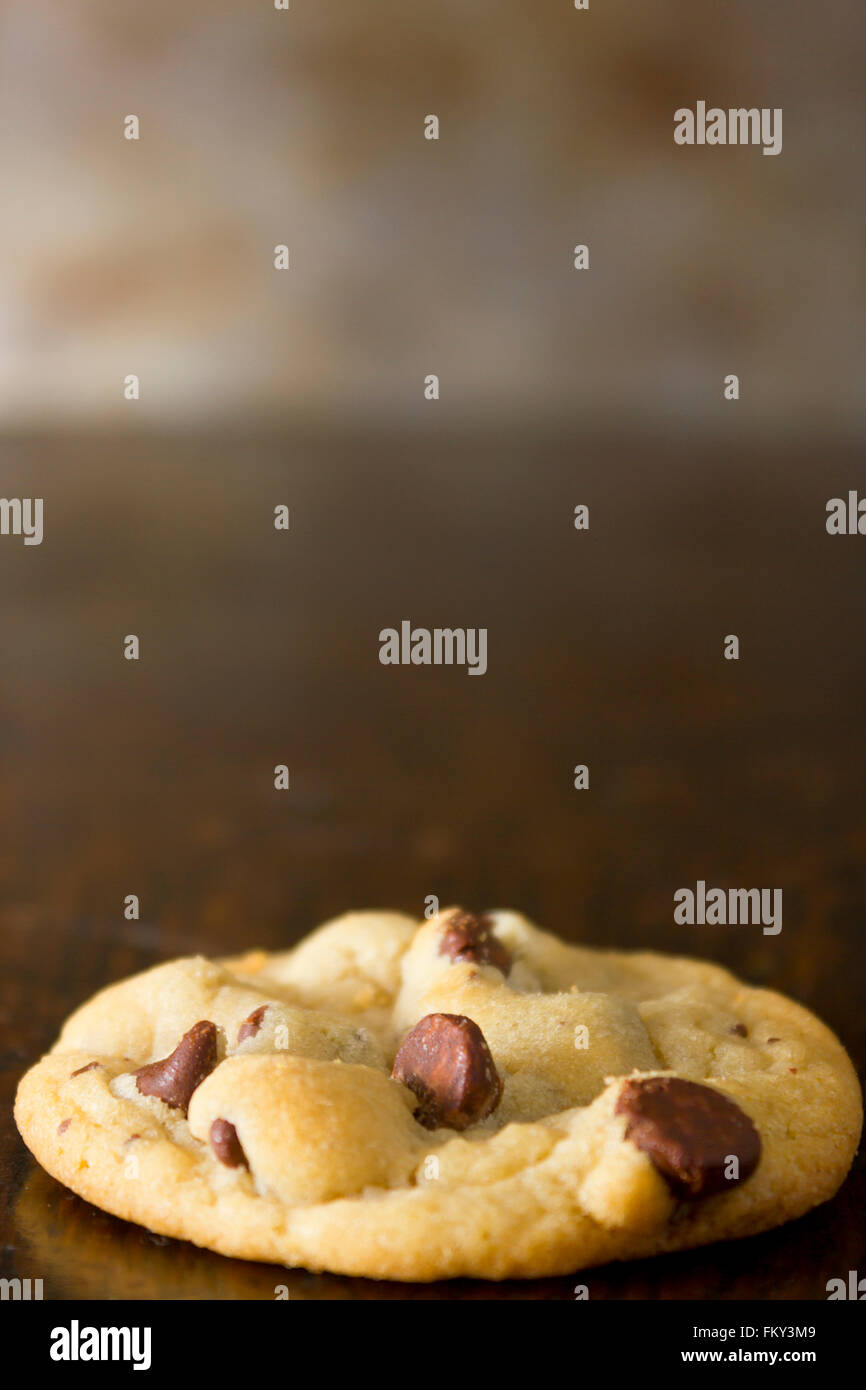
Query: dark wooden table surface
260,648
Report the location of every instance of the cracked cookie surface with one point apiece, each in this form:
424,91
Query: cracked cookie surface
467,1095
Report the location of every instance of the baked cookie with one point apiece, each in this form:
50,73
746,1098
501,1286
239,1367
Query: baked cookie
461,1096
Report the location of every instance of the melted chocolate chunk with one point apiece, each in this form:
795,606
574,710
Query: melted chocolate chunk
447,1063
251,1025
471,938
226,1145
174,1079
690,1133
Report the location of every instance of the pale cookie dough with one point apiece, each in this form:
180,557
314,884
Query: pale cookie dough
546,1115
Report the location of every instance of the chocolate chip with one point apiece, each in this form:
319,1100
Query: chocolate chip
226,1145
63,1126
448,1065
251,1025
471,938
690,1132
769,1040
88,1067
175,1078
740,1029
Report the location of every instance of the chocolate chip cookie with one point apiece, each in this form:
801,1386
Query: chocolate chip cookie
467,1095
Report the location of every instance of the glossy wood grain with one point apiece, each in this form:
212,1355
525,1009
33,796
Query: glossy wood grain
260,648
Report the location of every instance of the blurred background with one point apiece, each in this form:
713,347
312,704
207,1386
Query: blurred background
305,128
305,388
